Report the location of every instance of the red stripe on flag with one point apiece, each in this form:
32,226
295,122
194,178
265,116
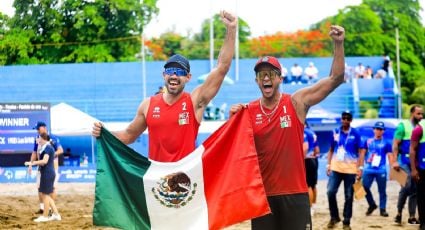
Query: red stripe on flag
233,185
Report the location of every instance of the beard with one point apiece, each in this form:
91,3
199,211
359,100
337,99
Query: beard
176,89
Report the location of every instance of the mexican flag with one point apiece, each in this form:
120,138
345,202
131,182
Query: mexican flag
217,185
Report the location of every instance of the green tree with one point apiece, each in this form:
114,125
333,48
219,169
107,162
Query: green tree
16,48
171,43
371,31
102,28
363,28
41,19
53,31
220,30
404,15
198,47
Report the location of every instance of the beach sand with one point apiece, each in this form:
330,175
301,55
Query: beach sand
18,202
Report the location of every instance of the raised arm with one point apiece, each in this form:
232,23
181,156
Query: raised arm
304,98
203,94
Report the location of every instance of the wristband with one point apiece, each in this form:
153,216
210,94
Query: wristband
360,168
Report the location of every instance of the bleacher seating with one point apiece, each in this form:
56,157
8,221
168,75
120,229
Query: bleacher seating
113,91
381,91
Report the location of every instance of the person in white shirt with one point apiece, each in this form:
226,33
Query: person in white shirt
311,72
359,71
297,73
286,79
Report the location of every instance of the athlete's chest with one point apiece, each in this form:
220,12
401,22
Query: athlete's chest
180,113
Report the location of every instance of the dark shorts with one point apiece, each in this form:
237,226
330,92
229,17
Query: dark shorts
46,182
311,168
288,212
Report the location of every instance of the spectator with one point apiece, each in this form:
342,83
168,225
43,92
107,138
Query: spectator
359,71
296,73
160,90
381,73
311,72
386,64
67,153
286,79
368,73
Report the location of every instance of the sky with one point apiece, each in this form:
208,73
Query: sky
263,16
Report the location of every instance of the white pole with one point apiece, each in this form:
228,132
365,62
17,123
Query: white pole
237,45
211,37
93,161
143,67
398,71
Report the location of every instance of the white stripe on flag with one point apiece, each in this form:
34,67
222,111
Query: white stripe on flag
190,210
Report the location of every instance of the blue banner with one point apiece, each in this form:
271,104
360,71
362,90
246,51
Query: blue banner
16,125
66,174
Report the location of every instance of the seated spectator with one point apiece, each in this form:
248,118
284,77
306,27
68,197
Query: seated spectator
359,71
160,90
381,73
368,73
296,73
311,72
209,113
286,79
67,153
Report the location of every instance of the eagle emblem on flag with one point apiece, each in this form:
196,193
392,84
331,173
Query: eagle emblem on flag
174,190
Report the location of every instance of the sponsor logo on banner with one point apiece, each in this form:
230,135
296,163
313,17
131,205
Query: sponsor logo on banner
66,174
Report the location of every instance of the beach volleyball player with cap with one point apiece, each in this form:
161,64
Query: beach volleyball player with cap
278,122
173,117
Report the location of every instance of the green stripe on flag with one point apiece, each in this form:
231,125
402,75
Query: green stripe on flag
119,196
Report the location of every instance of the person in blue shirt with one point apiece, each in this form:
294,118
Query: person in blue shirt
311,164
344,161
377,150
47,178
41,128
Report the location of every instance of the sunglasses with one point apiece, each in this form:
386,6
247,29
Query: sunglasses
379,129
175,71
263,73
346,118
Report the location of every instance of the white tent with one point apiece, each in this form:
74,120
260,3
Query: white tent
69,121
